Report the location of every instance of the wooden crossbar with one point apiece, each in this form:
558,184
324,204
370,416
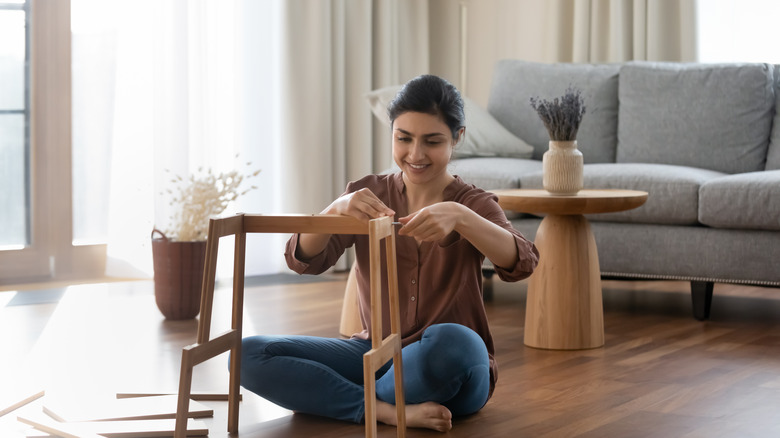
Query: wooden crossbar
206,348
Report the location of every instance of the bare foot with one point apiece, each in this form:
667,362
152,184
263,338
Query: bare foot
427,415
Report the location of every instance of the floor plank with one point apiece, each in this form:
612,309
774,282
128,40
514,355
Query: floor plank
660,374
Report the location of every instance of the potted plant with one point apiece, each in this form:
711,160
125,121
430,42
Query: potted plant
178,252
562,164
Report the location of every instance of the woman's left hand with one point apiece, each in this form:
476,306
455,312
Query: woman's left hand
437,221
432,223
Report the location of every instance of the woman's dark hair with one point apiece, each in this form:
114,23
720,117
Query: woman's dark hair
432,95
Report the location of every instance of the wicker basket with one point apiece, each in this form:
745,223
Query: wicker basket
178,276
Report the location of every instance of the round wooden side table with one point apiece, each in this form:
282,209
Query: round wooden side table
564,310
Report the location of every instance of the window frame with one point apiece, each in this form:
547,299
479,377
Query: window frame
50,254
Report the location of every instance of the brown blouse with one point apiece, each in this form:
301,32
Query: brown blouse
438,282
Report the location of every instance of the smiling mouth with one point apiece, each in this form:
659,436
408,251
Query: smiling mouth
417,166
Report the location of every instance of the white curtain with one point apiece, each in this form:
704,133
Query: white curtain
214,109
280,83
192,90
333,52
621,30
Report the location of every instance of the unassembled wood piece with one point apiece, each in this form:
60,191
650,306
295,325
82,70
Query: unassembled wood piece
350,316
147,408
10,403
64,430
197,396
206,347
114,429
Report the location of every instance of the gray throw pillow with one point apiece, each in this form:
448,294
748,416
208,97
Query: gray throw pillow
485,136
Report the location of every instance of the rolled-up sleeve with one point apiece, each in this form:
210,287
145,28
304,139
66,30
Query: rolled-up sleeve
325,259
486,204
528,259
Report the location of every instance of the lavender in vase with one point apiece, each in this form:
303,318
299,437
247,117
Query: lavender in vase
562,164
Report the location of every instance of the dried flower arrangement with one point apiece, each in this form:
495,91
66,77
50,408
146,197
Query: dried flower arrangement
561,116
201,197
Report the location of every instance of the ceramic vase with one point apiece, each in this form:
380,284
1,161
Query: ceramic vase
178,276
562,166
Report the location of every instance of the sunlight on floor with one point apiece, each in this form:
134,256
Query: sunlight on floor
92,341
6,297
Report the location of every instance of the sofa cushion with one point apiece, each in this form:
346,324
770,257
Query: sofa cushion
516,82
493,173
673,190
744,201
680,114
485,137
773,154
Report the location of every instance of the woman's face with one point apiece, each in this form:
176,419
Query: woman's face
422,146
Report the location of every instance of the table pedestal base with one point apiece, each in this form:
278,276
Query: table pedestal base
564,310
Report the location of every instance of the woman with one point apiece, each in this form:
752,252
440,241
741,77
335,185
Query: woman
448,228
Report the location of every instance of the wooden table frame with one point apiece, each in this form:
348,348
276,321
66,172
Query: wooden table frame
564,309
206,347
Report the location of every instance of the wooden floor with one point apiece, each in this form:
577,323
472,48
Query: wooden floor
661,373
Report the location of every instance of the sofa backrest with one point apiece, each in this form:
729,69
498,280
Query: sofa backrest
711,116
515,82
773,155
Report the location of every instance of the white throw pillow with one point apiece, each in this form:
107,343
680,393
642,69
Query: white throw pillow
485,136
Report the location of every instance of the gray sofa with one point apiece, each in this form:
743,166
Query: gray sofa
702,139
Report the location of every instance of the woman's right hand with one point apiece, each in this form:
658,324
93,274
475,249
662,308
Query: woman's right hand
362,204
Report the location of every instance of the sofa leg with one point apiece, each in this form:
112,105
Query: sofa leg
487,284
701,294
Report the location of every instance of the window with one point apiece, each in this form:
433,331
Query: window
36,236
14,124
738,31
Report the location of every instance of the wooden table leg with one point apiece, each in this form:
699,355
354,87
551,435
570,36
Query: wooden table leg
564,310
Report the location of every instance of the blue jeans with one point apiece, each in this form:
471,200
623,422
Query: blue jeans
324,376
